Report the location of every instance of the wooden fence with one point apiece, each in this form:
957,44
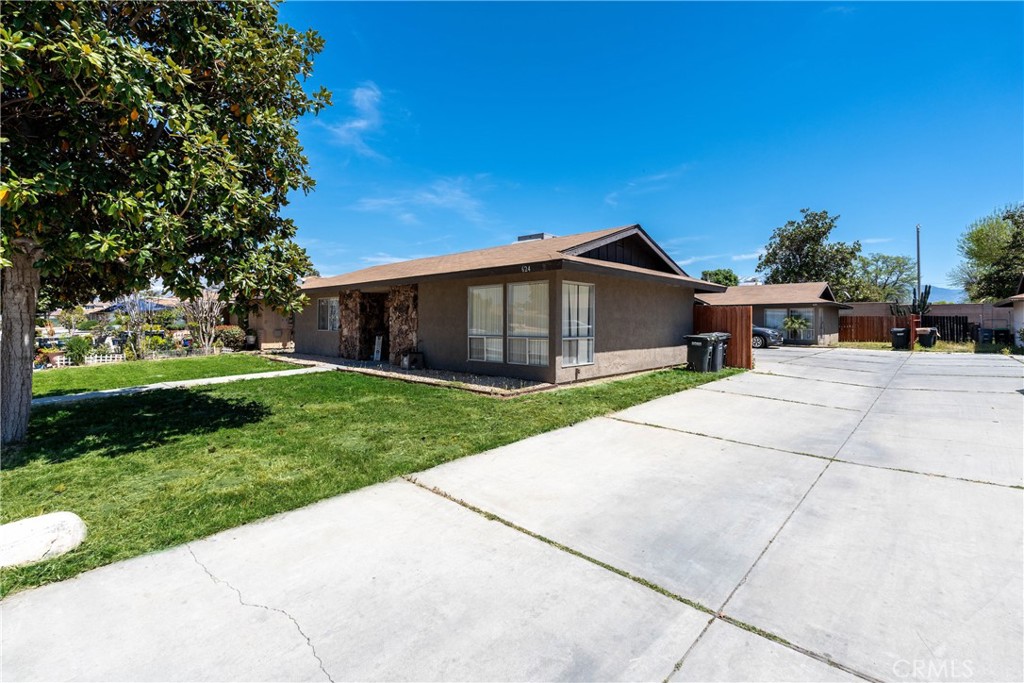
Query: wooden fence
955,328
737,321
874,328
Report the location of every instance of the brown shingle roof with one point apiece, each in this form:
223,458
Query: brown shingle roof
783,295
505,256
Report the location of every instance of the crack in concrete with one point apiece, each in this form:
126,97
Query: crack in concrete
268,608
812,455
643,582
777,398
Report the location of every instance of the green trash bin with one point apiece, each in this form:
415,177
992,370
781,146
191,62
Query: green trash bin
900,337
699,351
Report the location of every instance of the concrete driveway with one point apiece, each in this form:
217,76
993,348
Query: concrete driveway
833,515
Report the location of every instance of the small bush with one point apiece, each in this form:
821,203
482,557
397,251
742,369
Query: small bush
88,325
77,349
231,336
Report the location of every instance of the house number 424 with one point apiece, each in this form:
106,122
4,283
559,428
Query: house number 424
526,269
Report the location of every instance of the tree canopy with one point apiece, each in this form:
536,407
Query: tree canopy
992,249
721,276
145,140
882,277
799,251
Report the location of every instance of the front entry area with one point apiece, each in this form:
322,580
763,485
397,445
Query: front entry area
388,313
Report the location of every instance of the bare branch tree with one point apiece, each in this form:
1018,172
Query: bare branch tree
135,314
202,314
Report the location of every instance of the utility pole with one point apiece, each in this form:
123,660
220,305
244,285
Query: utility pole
918,260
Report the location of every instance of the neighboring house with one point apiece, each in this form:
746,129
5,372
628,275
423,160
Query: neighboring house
771,304
273,330
552,309
1016,304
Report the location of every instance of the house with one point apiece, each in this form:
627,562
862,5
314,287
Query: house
545,308
771,304
1016,304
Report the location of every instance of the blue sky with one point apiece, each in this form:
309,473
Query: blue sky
459,126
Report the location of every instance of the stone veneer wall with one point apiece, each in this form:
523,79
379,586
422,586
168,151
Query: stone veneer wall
349,324
403,321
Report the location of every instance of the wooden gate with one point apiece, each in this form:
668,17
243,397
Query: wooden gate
737,321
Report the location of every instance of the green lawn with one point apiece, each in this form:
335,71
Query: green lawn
155,470
75,380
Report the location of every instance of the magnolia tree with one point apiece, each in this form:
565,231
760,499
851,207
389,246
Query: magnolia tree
145,140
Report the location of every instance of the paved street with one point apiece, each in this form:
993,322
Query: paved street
834,515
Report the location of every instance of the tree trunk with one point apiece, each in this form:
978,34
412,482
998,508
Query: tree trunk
19,288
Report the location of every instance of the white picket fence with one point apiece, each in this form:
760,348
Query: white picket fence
63,362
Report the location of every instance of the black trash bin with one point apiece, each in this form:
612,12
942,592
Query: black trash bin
926,336
900,337
721,344
699,351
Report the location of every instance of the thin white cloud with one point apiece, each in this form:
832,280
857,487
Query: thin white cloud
748,257
698,259
367,120
646,184
446,194
876,240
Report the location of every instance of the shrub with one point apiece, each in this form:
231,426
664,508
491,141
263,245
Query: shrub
77,349
88,325
231,336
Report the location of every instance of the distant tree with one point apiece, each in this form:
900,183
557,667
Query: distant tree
999,279
881,277
721,276
71,317
988,261
145,140
799,251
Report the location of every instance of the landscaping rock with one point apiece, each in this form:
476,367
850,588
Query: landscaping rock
35,539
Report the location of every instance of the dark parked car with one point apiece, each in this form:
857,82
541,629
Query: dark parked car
765,337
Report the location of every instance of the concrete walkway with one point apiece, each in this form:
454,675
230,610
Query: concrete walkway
106,393
833,515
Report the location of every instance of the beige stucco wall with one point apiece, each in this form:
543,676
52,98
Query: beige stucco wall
638,325
273,330
310,340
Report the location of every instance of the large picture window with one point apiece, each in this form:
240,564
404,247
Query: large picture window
486,321
528,323
577,324
327,314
